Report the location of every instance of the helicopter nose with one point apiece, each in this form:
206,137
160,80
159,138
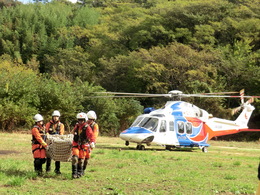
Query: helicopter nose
137,137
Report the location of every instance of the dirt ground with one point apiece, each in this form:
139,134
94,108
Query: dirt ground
5,152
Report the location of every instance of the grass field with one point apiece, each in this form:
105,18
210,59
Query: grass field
228,168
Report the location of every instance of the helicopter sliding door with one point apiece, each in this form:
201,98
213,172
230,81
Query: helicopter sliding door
166,134
171,138
161,132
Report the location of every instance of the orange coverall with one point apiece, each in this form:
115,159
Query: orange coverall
38,143
38,148
81,149
95,129
52,128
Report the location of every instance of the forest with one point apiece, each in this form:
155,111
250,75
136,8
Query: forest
56,55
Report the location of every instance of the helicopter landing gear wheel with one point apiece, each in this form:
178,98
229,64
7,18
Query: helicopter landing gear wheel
204,149
142,147
168,148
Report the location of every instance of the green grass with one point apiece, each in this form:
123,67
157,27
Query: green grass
228,168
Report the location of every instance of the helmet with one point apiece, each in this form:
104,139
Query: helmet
56,113
91,115
38,118
82,115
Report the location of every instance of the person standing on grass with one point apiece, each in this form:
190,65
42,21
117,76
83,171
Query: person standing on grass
258,175
91,115
83,138
54,126
39,145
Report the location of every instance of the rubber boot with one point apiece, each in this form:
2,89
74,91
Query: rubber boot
85,166
80,167
38,166
74,167
74,172
48,165
57,167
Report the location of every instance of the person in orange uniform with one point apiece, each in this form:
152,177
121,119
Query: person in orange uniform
91,115
83,138
38,143
54,126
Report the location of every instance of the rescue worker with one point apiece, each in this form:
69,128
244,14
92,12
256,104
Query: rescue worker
83,138
258,176
39,145
258,171
54,126
91,115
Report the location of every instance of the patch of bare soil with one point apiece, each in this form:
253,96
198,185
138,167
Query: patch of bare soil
5,152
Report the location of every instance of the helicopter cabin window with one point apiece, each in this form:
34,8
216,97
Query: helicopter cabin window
163,126
180,127
188,128
150,123
171,125
137,121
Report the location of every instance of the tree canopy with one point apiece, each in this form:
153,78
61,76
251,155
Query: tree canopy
56,54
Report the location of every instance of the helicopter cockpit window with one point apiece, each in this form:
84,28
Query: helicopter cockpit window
149,123
171,126
137,121
163,126
188,128
180,127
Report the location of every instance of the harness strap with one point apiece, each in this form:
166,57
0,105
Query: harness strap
39,148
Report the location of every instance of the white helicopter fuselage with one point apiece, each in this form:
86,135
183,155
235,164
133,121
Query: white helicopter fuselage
182,124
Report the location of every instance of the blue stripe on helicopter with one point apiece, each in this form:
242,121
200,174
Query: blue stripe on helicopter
196,131
135,130
177,109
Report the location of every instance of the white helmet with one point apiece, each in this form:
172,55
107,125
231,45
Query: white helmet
82,115
38,118
56,113
91,115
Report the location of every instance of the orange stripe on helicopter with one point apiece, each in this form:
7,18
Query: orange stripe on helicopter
225,132
202,133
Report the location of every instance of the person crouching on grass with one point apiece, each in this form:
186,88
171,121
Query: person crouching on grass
83,138
39,145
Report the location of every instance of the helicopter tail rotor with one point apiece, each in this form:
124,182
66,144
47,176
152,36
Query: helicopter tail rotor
237,109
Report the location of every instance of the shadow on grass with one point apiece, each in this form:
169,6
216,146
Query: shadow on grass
146,149
32,174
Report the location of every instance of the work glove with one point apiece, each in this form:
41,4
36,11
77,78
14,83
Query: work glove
92,145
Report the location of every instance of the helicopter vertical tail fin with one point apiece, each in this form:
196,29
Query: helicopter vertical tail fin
245,115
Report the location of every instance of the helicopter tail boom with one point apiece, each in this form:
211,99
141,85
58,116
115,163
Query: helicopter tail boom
219,127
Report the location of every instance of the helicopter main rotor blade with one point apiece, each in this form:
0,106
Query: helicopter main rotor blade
223,96
216,93
175,93
123,94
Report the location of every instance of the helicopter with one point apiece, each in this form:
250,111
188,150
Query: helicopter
180,124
